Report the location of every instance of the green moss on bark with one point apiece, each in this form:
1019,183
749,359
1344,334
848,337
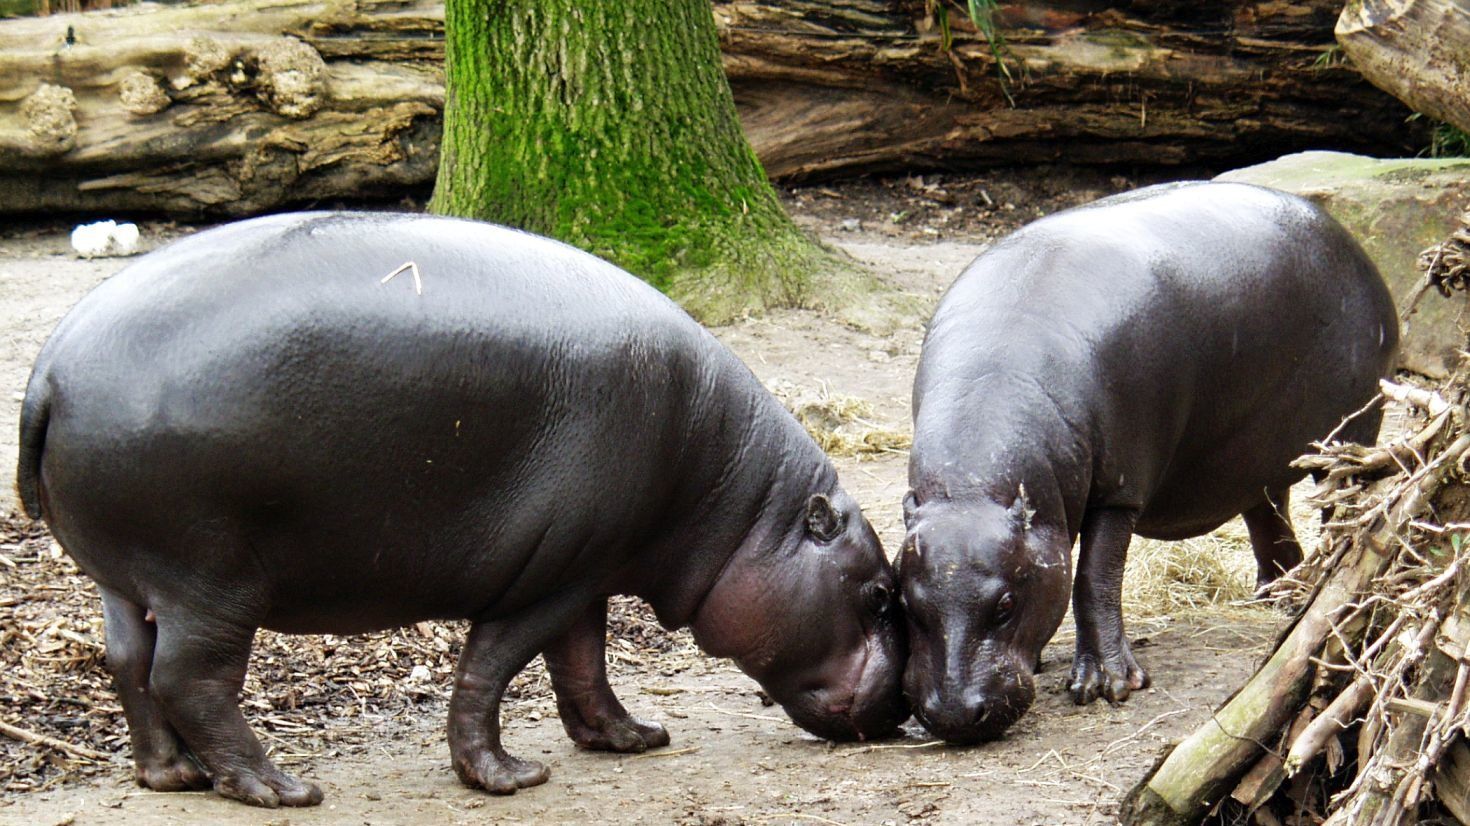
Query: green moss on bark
611,126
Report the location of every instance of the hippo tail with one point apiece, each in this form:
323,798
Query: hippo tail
35,415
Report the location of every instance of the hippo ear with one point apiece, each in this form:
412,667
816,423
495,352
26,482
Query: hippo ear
910,504
1021,510
909,551
822,520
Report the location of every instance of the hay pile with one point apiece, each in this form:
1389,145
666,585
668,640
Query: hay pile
1361,714
841,425
1176,579
306,697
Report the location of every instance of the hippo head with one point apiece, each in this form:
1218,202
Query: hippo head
984,587
814,619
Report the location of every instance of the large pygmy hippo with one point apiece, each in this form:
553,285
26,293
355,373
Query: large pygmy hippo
252,428
1147,364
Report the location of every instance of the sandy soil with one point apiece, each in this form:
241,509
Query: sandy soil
733,760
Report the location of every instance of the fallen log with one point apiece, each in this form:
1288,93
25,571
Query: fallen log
1414,50
866,85
241,106
229,108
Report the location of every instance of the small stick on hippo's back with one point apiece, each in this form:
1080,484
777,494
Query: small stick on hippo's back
409,266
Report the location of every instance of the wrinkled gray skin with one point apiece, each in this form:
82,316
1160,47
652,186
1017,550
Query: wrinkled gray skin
1147,364
246,429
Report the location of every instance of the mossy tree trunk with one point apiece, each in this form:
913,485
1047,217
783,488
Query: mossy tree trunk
611,126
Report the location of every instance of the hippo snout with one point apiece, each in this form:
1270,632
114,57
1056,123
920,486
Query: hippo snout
961,722
965,714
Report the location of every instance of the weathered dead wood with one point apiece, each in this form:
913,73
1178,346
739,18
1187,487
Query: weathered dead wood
248,104
1452,781
224,108
1333,720
829,86
1446,265
1415,50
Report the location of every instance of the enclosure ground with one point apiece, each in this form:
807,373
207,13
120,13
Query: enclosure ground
373,736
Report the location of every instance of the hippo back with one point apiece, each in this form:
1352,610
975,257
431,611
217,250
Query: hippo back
256,396
1170,334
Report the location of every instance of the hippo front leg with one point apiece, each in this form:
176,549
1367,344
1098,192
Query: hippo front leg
590,712
160,760
494,652
1104,665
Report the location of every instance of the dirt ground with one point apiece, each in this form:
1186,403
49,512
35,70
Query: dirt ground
733,760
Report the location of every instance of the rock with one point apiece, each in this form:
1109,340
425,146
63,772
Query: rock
1395,208
105,238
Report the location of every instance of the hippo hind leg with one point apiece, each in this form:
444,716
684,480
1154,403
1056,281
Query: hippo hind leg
198,670
1272,538
590,712
160,760
494,652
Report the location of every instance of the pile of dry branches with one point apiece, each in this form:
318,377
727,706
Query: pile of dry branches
1361,714
1447,266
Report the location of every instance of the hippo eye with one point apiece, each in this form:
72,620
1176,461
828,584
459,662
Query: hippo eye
1003,608
877,598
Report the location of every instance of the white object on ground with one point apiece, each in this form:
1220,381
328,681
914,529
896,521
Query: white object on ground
104,239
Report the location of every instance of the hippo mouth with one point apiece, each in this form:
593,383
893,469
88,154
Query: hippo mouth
985,727
879,706
968,714
873,707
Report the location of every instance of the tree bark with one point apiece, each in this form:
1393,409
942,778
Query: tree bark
610,126
1416,50
246,105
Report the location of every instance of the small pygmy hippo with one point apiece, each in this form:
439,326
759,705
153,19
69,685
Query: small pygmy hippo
256,427
1151,364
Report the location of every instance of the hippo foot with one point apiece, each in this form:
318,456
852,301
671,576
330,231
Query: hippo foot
177,774
621,734
269,789
1112,679
500,773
